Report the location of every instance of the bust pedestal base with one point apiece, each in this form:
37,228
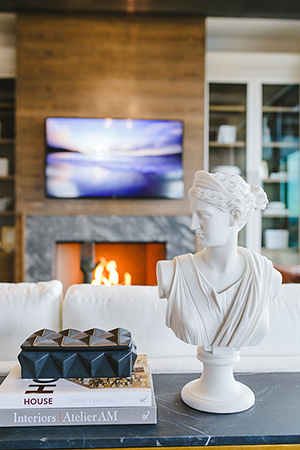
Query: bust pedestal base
216,391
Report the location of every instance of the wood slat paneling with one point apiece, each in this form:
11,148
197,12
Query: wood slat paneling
100,66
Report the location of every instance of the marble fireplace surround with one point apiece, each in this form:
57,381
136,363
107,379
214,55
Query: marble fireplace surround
43,232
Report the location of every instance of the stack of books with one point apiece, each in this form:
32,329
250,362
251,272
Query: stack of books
78,401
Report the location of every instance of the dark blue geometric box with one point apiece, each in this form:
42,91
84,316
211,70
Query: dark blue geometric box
78,354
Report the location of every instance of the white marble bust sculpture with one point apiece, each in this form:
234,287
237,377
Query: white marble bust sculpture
220,297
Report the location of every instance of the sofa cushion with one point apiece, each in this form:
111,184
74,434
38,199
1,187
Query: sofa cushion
26,308
139,309
136,308
284,336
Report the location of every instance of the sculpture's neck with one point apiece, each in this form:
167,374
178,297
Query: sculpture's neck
222,266
222,256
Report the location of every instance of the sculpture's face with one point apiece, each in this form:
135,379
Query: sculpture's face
212,226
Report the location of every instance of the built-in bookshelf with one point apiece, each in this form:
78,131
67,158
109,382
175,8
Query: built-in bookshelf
7,178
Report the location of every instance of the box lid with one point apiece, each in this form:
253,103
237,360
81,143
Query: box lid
71,339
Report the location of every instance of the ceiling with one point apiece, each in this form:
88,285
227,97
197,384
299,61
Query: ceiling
280,9
222,34
244,33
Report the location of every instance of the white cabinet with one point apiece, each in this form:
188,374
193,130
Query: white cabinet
254,98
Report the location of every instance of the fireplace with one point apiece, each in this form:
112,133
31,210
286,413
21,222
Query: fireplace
137,259
44,233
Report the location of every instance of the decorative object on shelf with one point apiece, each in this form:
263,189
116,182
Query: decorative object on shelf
276,239
219,299
276,205
3,167
264,170
276,209
227,134
227,169
4,203
289,131
279,176
72,353
8,238
266,132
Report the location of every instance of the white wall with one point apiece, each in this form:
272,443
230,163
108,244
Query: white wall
222,35
252,35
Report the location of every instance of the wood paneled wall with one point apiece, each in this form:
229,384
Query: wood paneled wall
139,66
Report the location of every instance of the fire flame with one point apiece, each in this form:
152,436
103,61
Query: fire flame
106,273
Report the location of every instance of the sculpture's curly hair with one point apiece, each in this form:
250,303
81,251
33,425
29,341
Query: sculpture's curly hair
238,195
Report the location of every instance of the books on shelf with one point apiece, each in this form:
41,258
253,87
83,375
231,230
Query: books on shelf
80,401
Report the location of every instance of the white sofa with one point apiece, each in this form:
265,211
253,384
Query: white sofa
25,308
28,307
139,309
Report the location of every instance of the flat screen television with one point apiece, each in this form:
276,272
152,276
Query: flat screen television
106,157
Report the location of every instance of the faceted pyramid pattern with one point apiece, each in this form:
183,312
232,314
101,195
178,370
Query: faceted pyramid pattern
73,338
78,354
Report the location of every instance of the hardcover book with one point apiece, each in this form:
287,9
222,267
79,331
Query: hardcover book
81,393
118,415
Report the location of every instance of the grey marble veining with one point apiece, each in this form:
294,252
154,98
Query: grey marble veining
42,233
274,419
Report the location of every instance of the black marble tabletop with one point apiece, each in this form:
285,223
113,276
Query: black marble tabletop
274,419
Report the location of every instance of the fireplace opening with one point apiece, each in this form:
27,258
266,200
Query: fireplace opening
138,259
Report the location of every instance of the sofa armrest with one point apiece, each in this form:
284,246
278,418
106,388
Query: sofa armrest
26,308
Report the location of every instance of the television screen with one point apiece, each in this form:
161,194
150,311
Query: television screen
113,158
